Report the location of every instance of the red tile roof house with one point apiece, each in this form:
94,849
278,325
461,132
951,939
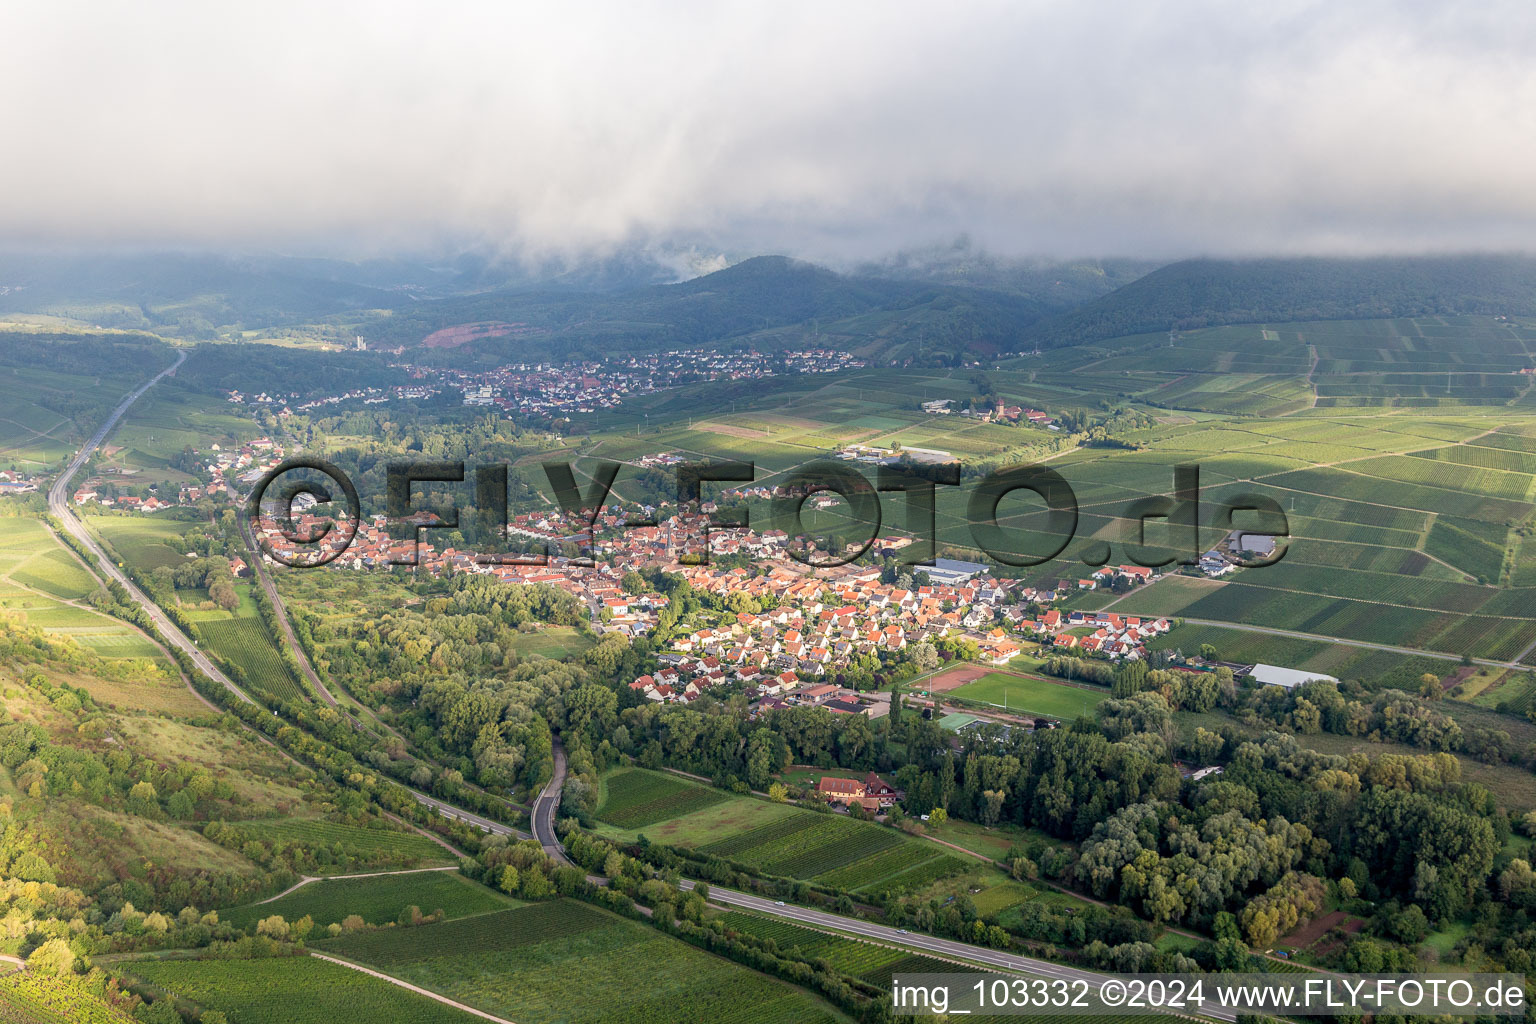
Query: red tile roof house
873,793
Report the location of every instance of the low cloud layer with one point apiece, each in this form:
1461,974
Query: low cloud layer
833,131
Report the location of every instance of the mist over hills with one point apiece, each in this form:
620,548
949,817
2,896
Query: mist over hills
941,306
1206,293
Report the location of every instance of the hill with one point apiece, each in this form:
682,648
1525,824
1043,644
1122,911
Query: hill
768,301
1207,293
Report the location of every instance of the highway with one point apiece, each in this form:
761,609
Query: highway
548,801
59,505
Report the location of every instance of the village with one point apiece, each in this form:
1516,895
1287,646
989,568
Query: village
229,467
798,630
546,391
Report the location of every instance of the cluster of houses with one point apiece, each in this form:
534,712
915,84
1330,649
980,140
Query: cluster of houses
682,679
816,623
998,412
558,391
12,482
1114,636
876,456
287,404
248,461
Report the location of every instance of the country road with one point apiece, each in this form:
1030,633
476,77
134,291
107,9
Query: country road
546,805
308,879
436,997
1368,645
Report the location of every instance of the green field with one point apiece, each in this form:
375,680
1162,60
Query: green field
567,961
245,642
34,435
140,541
377,900
43,576
55,571
556,642
839,852
385,845
292,990
1020,693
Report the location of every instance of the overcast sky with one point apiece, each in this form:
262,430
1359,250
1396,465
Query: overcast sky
828,130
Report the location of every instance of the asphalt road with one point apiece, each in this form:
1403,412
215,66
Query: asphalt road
59,505
544,808
548,803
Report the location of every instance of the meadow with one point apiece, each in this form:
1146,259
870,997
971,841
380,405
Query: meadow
377,900
383,845
291,990
554,642
575,963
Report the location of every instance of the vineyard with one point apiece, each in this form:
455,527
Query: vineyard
377,900
244,642
574,963
509,929
143,543
1245,602
636,798
55,571
805,844
863,960
292,990
838,852
30,998
905,868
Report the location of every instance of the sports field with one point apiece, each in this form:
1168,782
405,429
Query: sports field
1028,694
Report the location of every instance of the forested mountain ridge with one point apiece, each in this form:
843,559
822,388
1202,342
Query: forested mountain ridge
939,307
1207,293
766,300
